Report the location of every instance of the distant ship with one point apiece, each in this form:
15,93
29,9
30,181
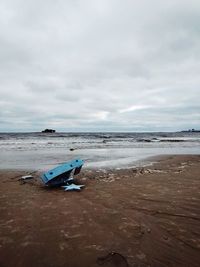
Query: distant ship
191,131
48,131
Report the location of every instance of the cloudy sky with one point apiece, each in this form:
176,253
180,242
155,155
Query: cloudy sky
99,65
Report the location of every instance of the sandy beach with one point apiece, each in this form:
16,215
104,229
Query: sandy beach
135,217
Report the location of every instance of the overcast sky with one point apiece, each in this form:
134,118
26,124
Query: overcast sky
99,65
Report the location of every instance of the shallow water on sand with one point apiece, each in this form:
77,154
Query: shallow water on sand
99,150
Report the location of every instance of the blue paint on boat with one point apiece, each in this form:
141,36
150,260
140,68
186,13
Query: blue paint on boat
63,173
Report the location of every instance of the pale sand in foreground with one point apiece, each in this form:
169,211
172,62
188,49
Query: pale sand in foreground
150,216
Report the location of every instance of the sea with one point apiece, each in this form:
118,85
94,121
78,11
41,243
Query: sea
42,151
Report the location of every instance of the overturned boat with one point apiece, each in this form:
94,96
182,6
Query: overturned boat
63,174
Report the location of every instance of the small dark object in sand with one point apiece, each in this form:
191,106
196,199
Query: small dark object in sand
134,170
115,258
71,149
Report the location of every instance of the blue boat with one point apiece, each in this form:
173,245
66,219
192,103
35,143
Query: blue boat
62,174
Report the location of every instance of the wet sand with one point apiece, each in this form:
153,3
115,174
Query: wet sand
147,216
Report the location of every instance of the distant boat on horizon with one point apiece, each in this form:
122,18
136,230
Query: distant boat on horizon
48,131
191,131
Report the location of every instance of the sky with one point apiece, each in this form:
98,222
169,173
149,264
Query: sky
99,65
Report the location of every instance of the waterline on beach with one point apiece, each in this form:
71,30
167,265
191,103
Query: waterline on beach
99,150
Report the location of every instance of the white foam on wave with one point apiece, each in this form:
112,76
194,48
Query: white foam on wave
116,151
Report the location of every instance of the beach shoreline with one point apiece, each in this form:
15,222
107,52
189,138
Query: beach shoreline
99,150
149,215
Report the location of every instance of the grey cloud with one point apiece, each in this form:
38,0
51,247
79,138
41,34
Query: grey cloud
81,62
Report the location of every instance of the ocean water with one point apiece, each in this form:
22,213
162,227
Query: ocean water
41,151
